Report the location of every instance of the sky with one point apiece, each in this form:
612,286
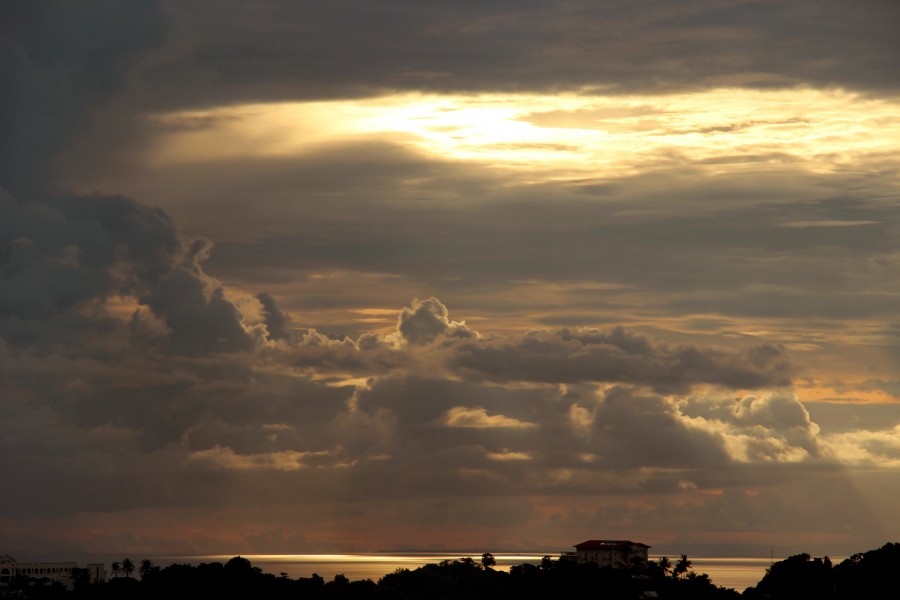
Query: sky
305,276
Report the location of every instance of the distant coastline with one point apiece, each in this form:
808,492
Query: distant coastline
388,576
732,572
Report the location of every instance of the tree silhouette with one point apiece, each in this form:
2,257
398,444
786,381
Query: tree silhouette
127,567
116,568
681,567
81,577
665,565
146,567
801,577
488,560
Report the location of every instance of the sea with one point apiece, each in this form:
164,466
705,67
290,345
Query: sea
735,573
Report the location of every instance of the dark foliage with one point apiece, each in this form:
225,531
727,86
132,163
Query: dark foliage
871,576
461,579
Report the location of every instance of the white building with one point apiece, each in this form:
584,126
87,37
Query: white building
7,569
60,572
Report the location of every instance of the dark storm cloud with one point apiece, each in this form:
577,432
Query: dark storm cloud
622,356
677,241
65,252
61,253
430,340
58,60
40,275
132,379
647,431
85,424
276,320
280,49
225,418
577,441
200,321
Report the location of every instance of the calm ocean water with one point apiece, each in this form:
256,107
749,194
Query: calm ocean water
737,573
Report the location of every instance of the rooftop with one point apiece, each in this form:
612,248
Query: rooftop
598,544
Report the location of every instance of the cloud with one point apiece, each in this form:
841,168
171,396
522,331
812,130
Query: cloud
867,448
505,454
60,61
69,250
889,387
643,46
148,382
640,430
769,427
564,355
477,417
200,318
286,460
64,257
276,320
802,224
426,320
619,355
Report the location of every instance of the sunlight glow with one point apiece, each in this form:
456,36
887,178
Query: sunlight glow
561,136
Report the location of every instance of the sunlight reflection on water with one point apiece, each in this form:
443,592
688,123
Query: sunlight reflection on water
737,573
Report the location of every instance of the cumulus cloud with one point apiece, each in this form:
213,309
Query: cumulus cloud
199,316
69,257
59,254
426,320
868,448
65,256
567,355
277,321
769,427
640,430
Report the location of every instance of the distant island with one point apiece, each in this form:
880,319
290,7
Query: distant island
868,575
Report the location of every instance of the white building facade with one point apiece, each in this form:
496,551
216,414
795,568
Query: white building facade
59,572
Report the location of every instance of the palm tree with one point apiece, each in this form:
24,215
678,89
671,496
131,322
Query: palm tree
665,565
116,568
146,567
682,566
127,567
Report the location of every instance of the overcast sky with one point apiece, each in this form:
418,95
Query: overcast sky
306,276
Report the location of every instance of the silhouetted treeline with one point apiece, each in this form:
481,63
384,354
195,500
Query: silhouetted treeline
871,575
461,579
